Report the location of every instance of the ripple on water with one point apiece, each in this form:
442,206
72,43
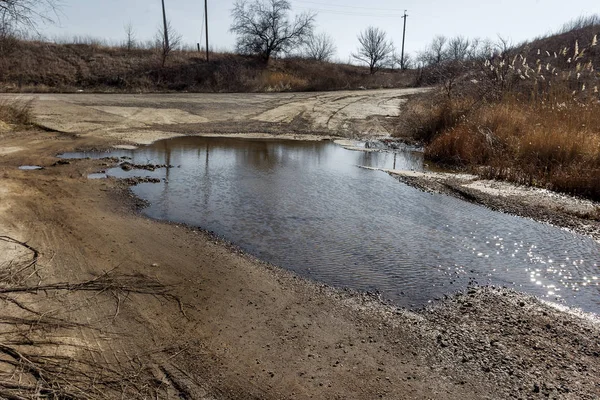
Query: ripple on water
308,208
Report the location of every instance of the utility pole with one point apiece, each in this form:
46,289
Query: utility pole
403,37
206,25
166,38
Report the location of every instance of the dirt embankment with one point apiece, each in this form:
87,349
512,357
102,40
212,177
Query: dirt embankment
96,67
142,308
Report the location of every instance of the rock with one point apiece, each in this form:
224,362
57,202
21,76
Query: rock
61,162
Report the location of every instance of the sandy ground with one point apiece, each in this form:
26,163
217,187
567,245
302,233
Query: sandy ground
146,118
225,325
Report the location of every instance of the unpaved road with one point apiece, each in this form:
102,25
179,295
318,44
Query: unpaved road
231,327
143,118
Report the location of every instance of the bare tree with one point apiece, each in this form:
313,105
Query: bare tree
374,48
18,15
264,27
320,47
458,48
435,52
166,48
480,49
130,40
27,13
408,62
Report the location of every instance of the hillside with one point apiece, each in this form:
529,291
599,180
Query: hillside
33,66
528,114
581,31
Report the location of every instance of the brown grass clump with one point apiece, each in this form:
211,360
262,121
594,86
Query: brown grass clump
16,112
276,81
428,116
557,147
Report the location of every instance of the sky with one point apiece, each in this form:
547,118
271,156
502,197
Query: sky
517,20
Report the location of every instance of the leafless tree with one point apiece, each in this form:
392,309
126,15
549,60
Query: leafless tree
435,52
130,40
16,16
164,48
27,13
504,45
320,47
480,49
408,62
374,48
458,48
264,27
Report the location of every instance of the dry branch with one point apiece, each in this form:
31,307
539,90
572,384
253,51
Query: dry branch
39,373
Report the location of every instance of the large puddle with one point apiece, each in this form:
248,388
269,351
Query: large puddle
307,207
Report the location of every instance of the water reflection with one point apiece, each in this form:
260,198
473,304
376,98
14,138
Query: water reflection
307,207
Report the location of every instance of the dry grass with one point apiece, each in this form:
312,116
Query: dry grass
553,147
16,112
274,81
93,66
549,145
530,115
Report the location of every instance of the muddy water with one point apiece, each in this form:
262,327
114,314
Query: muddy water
309,208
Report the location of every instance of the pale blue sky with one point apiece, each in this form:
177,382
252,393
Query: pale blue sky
343,20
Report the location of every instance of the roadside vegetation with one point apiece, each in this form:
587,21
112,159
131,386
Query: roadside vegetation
276,51
90,66
528,113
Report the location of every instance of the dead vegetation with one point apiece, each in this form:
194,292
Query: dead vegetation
37,362
36,66
528,114
16,112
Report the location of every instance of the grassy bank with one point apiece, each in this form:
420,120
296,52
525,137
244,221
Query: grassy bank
35,66
529,114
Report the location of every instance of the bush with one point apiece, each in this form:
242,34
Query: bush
428,116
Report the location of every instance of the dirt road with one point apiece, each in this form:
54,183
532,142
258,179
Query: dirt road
117,305
144,118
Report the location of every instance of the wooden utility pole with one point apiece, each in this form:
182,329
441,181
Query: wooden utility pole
403,37
206,25
166,33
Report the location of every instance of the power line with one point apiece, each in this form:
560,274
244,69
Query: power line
346,6
349,13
